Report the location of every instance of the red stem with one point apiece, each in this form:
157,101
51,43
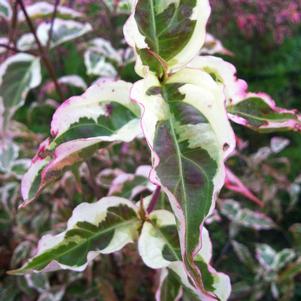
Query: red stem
154,200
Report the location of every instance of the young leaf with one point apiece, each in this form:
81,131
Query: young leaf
246,217
44,10
18,74
5,9
94,228
260,113
159,247
165,34
81,125
187,129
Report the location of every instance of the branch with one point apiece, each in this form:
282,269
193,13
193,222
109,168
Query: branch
14,49
44,56
57,2
14,21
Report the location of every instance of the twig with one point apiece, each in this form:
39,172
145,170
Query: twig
154,200
14,21
14,49
43,54
57,2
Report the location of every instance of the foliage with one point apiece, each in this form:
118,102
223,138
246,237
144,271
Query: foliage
135,164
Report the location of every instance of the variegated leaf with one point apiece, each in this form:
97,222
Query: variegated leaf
3,41
63,31
94,228
166,34
96,64
270,260
283,257
159,247
102,59
9,153
44,10
18,74
187,129
170,288
5,9
266,256
131,185
259,112
243,254
214,46
81,125
224,74
73,81
246,217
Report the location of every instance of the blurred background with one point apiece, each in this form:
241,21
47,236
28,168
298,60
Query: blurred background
258,246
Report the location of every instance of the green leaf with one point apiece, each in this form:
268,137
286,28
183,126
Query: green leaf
18,74
166,34
102,227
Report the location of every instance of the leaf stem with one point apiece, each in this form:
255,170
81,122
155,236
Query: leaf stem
154,200
43,54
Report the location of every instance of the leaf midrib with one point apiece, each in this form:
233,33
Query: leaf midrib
178,153
154,27
243,114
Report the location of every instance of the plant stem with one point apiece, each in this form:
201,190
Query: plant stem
14,49
57,2
43,54
154,200
14,21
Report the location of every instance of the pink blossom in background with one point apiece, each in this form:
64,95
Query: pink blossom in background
258,17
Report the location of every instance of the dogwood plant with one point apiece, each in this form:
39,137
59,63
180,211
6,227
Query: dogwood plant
182,106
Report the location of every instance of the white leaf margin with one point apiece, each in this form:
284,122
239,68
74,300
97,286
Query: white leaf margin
6,5
135,39
93,213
